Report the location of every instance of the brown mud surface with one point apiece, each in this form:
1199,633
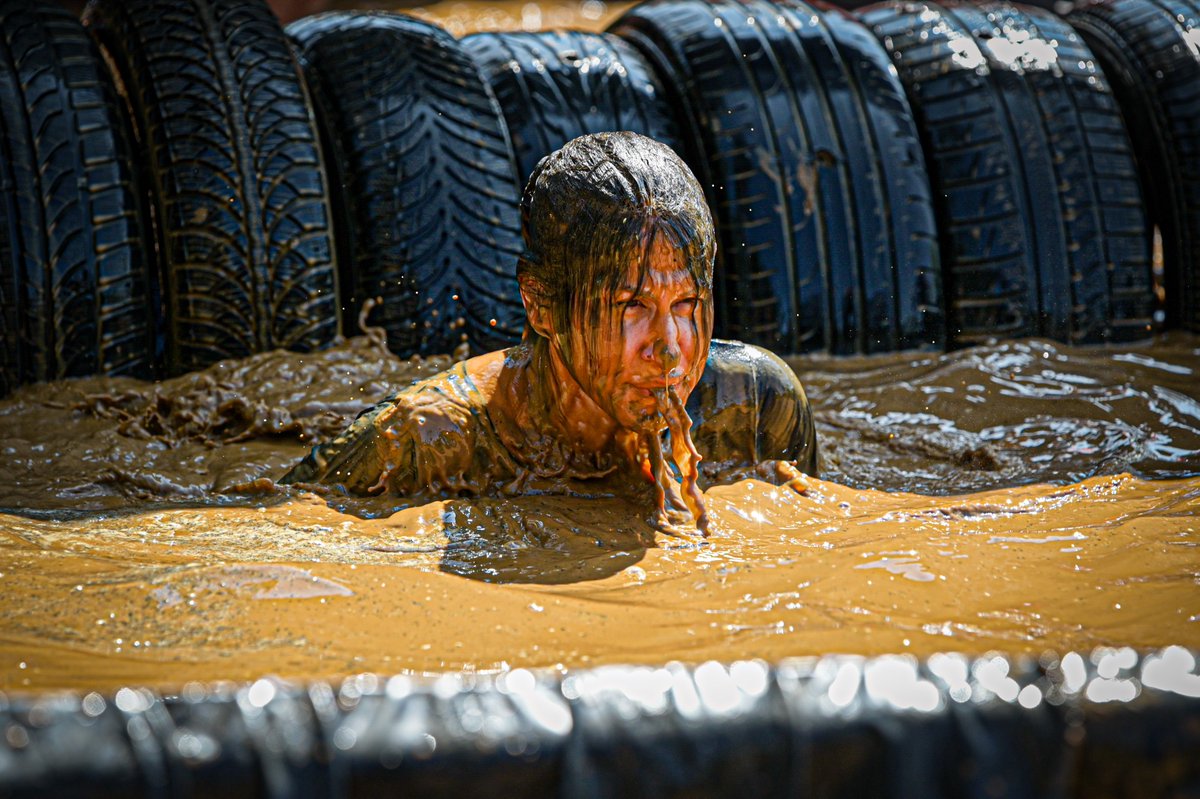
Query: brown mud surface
462,17
136,548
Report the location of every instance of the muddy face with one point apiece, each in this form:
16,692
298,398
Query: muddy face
616,281
653,343
618,271
636,368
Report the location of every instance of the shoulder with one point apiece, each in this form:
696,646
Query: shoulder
420,438
735,368
749,406
443,409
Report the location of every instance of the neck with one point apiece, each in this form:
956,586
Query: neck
562,404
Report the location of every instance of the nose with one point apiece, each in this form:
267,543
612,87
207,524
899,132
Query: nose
664,348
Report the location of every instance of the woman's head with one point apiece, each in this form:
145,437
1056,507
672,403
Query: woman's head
617,273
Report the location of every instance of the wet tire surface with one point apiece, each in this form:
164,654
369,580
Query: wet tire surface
778,141
1039,205
74,284
556,85
901,263
1147,49
238,190
428,178
791,115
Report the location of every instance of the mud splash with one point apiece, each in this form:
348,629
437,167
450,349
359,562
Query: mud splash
136,546
1011,414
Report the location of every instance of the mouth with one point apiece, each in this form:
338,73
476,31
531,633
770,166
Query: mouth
654,390
658,384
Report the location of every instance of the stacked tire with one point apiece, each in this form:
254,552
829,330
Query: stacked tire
922,176
233,175
1039,206
825,222
75,285
553,86
1150,51
430,194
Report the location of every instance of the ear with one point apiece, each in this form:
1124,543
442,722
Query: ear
537,313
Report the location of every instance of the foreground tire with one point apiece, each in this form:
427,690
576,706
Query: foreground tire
792,157
237,186
1148,51
428,179
74,280
1044,232
555,85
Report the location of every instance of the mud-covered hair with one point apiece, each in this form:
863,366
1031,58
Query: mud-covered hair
598,204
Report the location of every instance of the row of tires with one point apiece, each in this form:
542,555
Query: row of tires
184,181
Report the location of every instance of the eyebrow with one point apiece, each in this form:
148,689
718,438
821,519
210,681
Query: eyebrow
644,290
694,294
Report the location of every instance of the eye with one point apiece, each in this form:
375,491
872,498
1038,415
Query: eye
686,305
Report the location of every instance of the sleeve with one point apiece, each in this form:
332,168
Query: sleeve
352,461
787,430
420,441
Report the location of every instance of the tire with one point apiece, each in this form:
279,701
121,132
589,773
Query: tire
429,180
801,215
555,85
1147,50
902,277
1043,224
237,185
74,279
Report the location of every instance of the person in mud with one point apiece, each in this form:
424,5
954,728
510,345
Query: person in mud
616,357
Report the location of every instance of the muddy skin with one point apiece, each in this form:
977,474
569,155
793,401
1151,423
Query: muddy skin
617,280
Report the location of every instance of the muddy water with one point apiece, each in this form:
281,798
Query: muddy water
138,544
462,17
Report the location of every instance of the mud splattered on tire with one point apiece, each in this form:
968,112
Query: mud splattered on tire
781,146
1039,207
1149,55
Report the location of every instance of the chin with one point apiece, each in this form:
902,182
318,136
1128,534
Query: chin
647,420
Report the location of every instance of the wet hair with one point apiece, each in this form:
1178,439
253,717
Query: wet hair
598,204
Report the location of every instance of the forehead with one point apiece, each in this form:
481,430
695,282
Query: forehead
665,267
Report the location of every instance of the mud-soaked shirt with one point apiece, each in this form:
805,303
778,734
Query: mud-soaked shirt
437,436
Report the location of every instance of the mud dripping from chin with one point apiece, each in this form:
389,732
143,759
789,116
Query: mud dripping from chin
687,458
678,502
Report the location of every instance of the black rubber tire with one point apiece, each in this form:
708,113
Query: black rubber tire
768,101
428,176
1041,214
74,278
555,85
902,272
237,185
1147,50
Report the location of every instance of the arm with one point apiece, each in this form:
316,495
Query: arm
350,461
413,443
